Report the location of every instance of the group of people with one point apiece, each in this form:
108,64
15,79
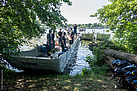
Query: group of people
62,38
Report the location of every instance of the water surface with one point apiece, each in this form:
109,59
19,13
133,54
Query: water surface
77,62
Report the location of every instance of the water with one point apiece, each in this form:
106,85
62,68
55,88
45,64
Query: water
79,62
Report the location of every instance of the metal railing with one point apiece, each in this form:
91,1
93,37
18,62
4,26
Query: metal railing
67,55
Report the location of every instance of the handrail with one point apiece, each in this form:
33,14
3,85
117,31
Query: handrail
67,55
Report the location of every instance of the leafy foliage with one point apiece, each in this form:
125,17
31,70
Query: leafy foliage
90,26
96,62
98,51
97,59
121,16
21,19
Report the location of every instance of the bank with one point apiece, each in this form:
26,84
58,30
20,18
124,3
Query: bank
86,81
89,80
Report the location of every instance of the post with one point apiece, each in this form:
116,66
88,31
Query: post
1,79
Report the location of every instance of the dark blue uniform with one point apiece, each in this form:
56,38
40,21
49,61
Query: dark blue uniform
75,29
72,37
63,44
53,44
49,38
60,35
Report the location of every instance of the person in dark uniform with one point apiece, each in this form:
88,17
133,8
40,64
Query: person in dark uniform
49,41
63,44
69,38
75,29
72,36
60,36
53,44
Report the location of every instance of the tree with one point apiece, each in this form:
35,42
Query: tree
21,19
89,25
120,15
83,26
94,25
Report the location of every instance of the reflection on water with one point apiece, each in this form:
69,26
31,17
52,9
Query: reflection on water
77,63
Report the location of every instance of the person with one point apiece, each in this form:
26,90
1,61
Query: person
72,36
53,44
94,35
69,38
63,44
75,29
60,35
49,41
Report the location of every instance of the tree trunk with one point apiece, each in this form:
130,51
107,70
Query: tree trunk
121,55
109,61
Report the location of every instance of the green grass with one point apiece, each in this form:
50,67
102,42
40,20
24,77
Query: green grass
88,80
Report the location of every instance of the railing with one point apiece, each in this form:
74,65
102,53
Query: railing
67,55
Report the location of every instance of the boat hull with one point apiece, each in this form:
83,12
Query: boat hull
36,63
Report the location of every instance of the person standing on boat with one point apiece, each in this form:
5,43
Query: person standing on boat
75,29
72,36
69,38
60,36
49,41
63,44
53,40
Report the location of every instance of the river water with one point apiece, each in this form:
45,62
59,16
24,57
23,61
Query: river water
77,62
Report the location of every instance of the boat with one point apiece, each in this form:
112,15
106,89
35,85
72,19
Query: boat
37,60
87,36
102,36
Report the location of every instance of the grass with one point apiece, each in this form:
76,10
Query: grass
88,80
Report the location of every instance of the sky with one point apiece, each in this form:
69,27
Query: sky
80,11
